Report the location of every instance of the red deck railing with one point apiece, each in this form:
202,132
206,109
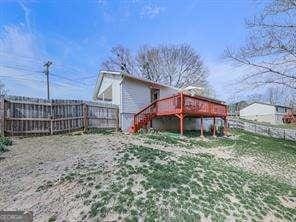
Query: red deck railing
204,107
180,105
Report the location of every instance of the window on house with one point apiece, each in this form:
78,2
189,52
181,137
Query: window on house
280,109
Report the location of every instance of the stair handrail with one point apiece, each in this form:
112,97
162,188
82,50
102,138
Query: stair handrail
206,99
152,104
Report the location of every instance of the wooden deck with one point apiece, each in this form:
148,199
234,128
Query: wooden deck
181,105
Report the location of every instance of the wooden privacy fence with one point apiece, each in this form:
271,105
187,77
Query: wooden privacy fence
275,132
29,116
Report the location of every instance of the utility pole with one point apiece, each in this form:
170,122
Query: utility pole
46,71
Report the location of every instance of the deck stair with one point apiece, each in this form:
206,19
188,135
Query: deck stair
143,118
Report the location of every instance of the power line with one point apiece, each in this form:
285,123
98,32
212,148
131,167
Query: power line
23,66
24,75
62,77
20,68
20,78
79,84
29,79
69,67
35,60
41,60
75,72
22,56
31,72
87,77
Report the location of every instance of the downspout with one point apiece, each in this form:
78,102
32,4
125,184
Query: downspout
120,102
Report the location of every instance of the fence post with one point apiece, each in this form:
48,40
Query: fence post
85,117
107,110
2,116
284,134
11,114
51,118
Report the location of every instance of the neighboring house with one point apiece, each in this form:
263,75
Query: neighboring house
132,94
264,112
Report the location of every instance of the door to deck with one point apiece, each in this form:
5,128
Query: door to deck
154,94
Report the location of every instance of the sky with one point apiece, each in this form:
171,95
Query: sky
77,35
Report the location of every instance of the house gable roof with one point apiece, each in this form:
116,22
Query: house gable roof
147,81
100,80
124,75
152,83
267,104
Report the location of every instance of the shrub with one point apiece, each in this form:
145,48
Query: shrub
4,142
100,131
2,148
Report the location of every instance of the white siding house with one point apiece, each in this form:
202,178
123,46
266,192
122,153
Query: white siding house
264,112
130,93
135,95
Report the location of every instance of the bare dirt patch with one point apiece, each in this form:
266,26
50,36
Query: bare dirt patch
32,163
63,176
289,202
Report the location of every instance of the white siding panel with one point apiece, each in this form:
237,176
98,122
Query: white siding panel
135,96
259,112
126,121
116,91
257,109
166,92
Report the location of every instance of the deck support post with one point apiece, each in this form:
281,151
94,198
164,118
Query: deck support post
181,116
201,127
225,128
181,124
214,127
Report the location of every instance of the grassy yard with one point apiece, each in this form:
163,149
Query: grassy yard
166,177
158,185
241,142
187,189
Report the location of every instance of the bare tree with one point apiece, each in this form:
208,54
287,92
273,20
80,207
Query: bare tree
270,51
274,95
2,90
174,65
149,64
121,59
